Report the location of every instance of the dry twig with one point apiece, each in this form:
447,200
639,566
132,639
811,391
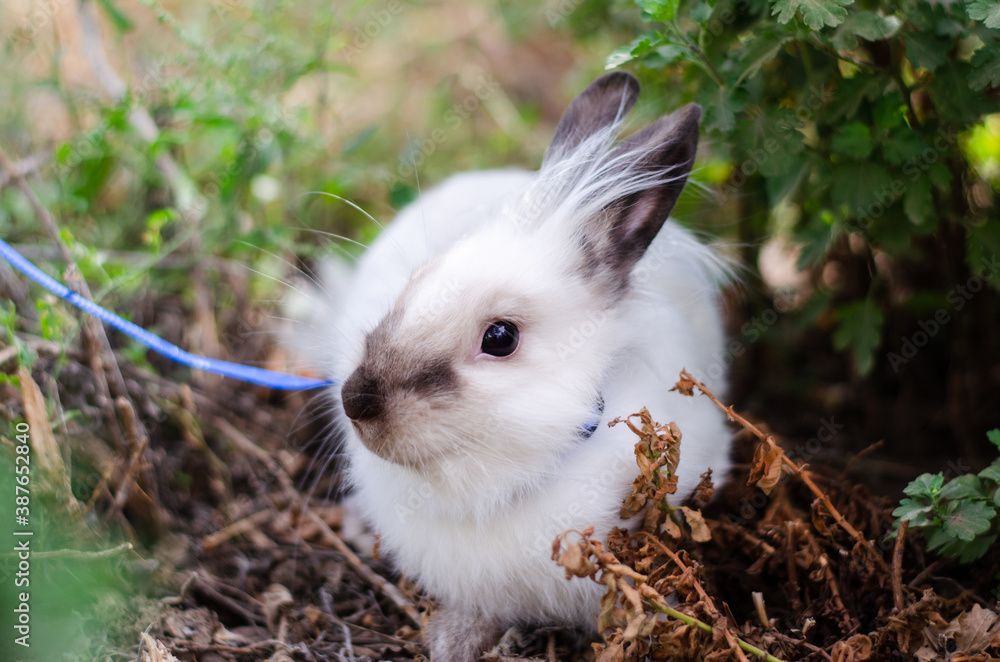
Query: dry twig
897,567
22,168
238,527
387,588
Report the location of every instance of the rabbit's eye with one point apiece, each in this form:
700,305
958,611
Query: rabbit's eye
500,339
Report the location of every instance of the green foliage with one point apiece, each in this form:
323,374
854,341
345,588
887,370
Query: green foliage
987,11
863,117
860,329
80,605
814,13
958,518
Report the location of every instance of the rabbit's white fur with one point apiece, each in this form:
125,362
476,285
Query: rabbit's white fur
468,488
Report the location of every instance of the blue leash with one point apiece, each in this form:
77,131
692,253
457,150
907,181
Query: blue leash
276,380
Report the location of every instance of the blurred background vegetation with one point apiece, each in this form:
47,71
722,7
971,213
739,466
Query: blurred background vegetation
850,155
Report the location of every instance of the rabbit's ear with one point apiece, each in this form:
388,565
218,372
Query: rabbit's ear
661,154
605,101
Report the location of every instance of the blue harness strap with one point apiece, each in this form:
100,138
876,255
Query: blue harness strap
271,379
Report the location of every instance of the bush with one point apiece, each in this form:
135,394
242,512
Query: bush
860,131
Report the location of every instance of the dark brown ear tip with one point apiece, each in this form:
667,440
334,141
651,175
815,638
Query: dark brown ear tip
618,79
616,83
601,105
690,113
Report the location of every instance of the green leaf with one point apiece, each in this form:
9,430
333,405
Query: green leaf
659,10
967,519
758,51
914,512
991,472
860,330
401,195
954,99
940,176
889,111
661,56
976,549
986,67
783,170
925,50
640,46
938,539
918,203
987,11
867,25
925,485
864,187
721,105
903,144
815,13
994,437
893,232
854,139
852,92
814,239
618,57
982,253
967,486
118,18
701,12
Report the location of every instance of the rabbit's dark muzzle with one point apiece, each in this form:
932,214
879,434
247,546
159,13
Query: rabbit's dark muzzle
362,396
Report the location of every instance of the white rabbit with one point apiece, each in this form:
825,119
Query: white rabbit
484,331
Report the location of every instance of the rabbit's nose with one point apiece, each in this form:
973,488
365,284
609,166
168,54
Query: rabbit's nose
362,396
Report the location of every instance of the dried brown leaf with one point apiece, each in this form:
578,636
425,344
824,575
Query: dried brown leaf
275,600
575,561
575,557
975,630
912,626
668,485
632,505
655,516
766,467
43,441
705,489
699,528
647,466
154,651
683,642
229,638
819,519
610,653
968,634
856,649
609,601
684,386
192,625
634,627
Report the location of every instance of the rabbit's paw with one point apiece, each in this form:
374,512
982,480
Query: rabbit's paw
461,636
